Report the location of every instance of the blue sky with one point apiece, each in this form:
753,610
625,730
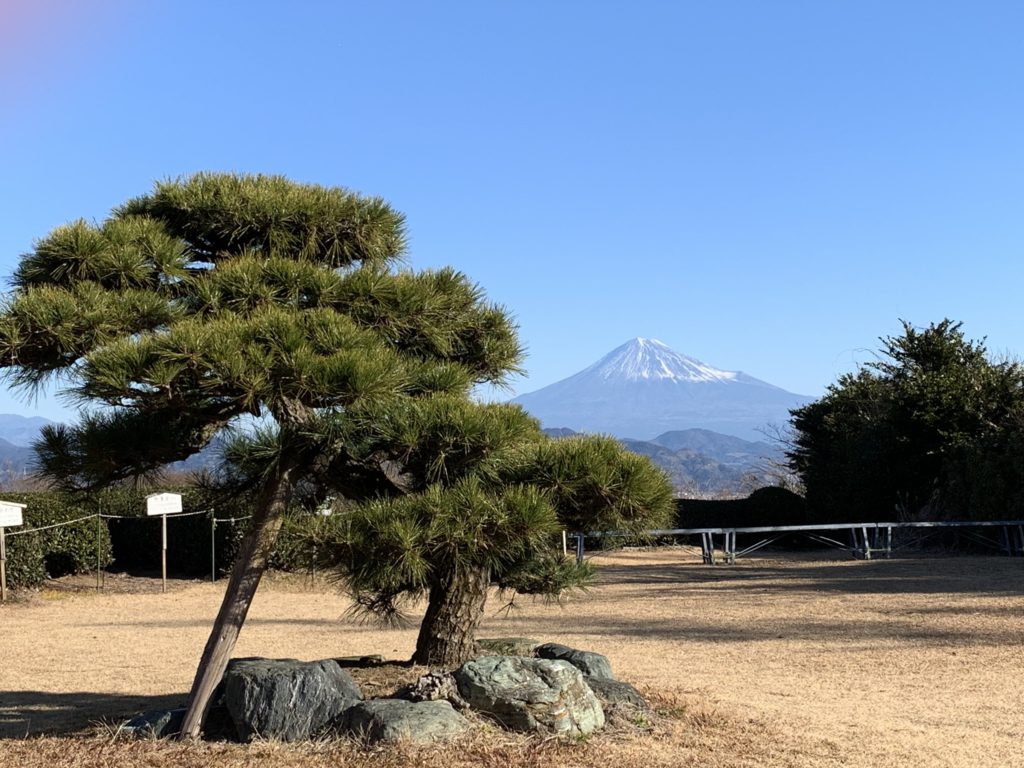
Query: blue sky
766,186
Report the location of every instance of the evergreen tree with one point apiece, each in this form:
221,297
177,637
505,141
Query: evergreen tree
485,497
218,297
895,434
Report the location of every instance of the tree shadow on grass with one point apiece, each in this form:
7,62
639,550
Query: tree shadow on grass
921,575
34,713
843,633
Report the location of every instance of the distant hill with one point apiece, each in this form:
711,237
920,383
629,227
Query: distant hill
21,430
15,460
643,388
700,462
724,448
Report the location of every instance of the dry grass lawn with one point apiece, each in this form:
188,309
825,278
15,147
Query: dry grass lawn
780,661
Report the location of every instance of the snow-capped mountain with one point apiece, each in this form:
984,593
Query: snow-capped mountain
644,388
649,359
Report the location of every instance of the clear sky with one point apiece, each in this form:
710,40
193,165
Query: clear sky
766,186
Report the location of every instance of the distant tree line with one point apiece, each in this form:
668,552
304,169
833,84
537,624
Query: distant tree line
932,429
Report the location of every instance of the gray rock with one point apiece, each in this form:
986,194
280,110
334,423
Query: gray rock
286,699
616,692
590,664
396,720
155,724
531,694
507,646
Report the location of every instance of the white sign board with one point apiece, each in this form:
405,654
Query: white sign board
10,514
163,503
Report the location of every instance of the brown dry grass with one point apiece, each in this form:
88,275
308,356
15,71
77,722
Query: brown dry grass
779,661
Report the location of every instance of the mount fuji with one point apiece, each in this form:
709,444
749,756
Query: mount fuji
644,388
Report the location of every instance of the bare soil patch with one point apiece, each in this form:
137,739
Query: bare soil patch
774,661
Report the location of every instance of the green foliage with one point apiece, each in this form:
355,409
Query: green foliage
220,214
26,565
444,438
296,548
484,489
57,551
391,550
596,485
907,434
985,478
547,574
218,296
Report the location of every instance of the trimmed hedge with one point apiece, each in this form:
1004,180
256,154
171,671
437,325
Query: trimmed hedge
137,538
131,540
25,566
33,555
765,506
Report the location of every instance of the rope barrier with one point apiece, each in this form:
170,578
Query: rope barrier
29,529
48,527
99,516
147,517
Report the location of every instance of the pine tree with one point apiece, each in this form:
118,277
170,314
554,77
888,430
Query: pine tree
222,297
485,496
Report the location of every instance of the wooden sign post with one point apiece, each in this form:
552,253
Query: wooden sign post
163,504
10,516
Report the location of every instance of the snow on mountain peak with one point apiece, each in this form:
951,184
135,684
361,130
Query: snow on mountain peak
649,359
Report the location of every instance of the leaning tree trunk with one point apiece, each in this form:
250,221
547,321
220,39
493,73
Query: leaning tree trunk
253,554
454,610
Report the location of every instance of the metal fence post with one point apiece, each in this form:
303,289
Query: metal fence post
99,522
3,566
213,545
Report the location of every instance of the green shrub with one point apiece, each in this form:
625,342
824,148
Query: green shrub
36,551
25,566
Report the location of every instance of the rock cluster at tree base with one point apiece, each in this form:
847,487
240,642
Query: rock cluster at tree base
567,694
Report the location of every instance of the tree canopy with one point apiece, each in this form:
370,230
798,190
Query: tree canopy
487,496
892,437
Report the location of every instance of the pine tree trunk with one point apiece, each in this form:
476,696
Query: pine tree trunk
454,610
253,555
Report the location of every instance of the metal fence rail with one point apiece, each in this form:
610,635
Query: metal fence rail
865,539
